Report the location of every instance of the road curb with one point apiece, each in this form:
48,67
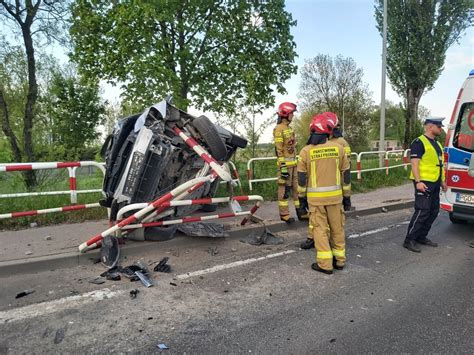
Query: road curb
73,258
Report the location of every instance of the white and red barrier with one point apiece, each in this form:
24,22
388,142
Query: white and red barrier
402,154
71,167
172,199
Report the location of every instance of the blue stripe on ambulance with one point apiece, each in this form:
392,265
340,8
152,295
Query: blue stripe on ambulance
458,156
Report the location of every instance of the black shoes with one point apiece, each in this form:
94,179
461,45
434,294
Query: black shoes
287,219
428,242
316,267
307,244
334,264
411,246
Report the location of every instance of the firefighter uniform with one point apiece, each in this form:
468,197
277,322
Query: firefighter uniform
320,174
285,149
430,153
346,187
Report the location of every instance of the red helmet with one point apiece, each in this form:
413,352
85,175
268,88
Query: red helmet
323,123
286,108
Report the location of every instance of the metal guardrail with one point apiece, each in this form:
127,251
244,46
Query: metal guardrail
71,167
403,154
73,191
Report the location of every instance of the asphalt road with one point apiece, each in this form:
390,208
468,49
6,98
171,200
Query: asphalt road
260,299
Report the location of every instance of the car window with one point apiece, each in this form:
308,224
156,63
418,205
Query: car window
464,133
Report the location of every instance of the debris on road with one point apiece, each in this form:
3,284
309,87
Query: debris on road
267,237
110,251
134,293
24,293
162,346
96,280
144,279
163,266
28,253
213,230
33,225
213,251
48,237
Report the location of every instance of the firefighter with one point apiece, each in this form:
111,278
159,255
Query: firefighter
336,137
428,178
321,167
285,149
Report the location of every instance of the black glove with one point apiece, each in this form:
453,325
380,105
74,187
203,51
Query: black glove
346,202
303,203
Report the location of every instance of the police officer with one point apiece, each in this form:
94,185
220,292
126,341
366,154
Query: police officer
336,137
285,149
320,172
428,178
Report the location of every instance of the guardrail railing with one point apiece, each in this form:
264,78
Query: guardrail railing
73,191
402,154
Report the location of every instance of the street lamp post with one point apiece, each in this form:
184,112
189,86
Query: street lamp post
382,100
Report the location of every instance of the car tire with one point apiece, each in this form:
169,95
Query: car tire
212,207
210,135
455,220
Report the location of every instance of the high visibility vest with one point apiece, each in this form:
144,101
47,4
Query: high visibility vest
430,163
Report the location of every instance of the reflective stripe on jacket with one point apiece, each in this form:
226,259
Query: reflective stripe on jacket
323,165
285,143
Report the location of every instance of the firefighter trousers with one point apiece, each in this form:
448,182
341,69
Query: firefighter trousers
327,224
287,189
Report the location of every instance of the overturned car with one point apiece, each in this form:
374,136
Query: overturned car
145,158
161,166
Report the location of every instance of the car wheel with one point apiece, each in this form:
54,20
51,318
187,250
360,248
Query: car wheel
212,207
209,134
455,220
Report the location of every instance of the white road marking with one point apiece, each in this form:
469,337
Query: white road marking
231,265
43,308
358,235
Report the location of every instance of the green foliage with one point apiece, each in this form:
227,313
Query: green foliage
336,85
73,110
395,122
205,53
418,36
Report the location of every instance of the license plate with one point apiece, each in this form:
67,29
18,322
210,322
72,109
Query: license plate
465,198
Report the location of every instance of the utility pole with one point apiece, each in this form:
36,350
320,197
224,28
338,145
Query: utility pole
384,65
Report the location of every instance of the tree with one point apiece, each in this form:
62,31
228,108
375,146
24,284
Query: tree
336,85
418,36
395,121
74,111
35,21
207,53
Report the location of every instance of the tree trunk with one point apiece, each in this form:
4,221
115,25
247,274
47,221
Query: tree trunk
29,176
7,130
411,114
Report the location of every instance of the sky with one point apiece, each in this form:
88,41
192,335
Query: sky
347,27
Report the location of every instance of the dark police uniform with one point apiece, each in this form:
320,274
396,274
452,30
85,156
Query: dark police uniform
430,153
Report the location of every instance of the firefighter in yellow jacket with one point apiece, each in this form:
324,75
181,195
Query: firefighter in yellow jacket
285,149
336,137
321,169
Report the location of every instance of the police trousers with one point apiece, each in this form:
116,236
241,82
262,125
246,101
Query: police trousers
426,211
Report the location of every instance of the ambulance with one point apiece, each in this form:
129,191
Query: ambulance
459,157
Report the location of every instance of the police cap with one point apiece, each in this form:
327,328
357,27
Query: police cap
438,121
